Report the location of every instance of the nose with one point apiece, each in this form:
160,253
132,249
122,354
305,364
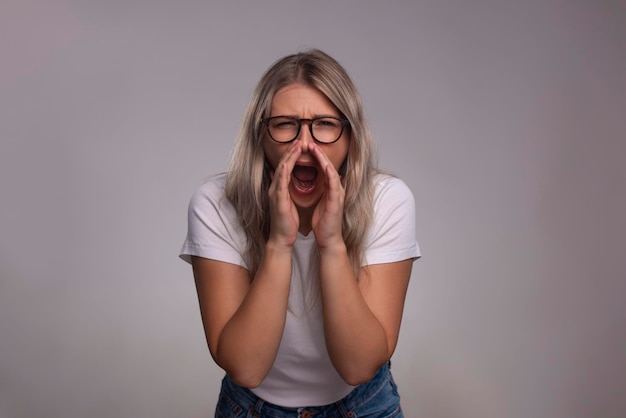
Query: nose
305,136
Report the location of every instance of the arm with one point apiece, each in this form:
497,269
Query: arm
361,317
244,318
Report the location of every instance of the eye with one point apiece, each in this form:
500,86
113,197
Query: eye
283,123
329,123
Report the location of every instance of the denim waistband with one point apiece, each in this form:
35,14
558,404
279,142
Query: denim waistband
258,407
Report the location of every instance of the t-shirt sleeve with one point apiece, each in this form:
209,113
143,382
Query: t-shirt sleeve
213,230
393,235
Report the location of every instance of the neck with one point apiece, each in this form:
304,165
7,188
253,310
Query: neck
305,216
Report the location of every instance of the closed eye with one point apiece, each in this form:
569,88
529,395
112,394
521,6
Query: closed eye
327,123
284,123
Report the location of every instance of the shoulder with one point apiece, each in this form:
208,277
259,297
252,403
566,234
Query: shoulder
212,188
392,236
214,230
388,189
211,194
210,206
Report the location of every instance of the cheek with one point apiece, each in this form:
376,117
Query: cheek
340,156
272,154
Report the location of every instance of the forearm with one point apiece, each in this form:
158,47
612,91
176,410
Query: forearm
249,342
356,341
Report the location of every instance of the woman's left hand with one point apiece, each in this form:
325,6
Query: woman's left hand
328,215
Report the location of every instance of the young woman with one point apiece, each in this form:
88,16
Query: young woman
302,253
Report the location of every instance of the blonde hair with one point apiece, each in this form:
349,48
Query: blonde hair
248,177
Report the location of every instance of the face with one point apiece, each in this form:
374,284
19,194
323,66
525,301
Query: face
308,181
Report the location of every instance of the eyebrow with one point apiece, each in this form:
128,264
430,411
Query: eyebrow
313,117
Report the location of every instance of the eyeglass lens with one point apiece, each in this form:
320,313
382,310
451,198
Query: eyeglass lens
286,129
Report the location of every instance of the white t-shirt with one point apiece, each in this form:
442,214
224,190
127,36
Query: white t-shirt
302,373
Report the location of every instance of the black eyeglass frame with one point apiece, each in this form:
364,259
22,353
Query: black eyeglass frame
344,122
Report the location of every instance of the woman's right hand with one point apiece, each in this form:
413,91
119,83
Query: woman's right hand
284,221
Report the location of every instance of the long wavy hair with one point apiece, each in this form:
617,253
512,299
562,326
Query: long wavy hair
248,178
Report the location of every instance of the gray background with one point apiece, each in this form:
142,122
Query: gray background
505,118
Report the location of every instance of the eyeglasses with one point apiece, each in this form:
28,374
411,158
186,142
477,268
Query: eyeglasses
324,129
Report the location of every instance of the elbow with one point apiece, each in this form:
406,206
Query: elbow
247,376
358,376
356,373
246,379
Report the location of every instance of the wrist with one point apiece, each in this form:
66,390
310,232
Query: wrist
273,247
335,248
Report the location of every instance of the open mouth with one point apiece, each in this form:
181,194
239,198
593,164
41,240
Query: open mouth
303,178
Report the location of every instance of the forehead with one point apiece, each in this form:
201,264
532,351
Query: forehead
301,99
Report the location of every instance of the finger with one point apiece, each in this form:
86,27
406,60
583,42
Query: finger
283,179
292,154
335,188
288,163
321,156
279,192
333,179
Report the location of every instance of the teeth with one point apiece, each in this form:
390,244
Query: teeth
304,186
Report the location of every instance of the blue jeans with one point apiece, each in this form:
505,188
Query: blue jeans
377,398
